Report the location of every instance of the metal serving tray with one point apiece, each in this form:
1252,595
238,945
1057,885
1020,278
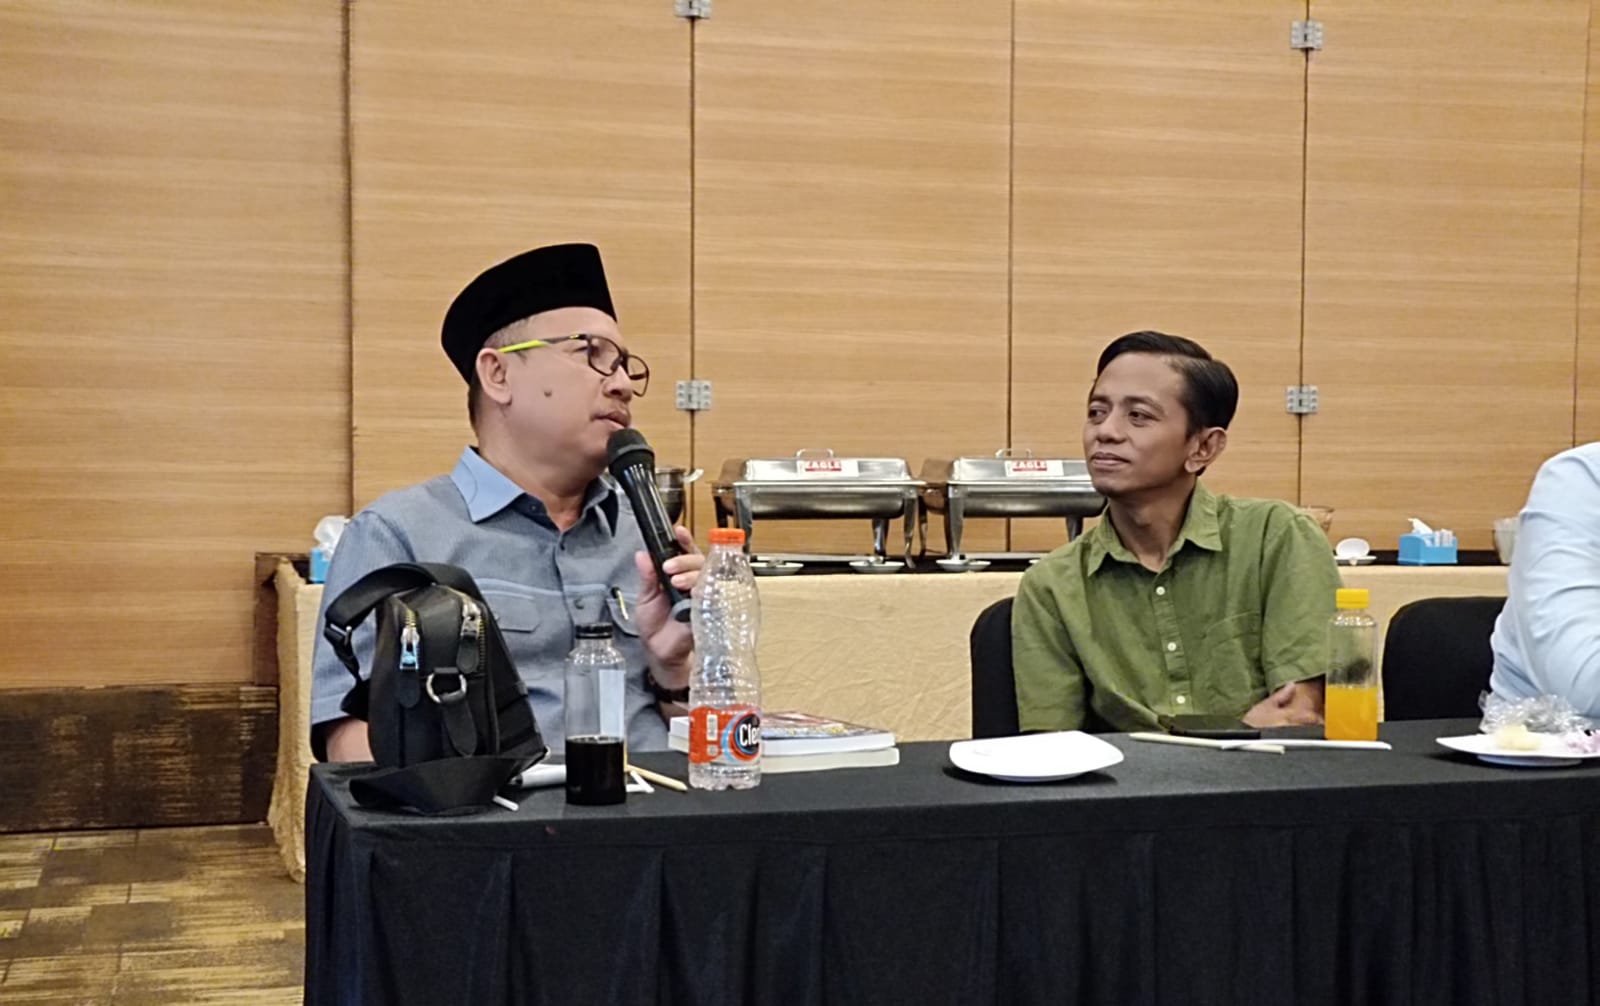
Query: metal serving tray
1007,485
819,485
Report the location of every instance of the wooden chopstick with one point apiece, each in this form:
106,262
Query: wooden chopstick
658,778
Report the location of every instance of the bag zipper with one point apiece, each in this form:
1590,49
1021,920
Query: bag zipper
410,643
472,630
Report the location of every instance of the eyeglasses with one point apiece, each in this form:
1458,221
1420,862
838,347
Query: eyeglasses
603,356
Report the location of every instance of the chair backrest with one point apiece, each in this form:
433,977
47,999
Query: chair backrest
994,690
1436,657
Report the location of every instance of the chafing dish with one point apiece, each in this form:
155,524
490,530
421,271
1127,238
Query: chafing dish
817,484
670,483
1006,485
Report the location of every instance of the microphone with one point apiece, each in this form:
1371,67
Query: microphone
633,465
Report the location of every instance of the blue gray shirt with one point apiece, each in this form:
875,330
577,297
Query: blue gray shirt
1547,639
538,581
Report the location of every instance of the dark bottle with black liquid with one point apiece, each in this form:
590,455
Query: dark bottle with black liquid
595,713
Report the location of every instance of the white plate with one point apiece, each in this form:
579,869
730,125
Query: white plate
868,566
1554,754
1035,757
961,565
775,568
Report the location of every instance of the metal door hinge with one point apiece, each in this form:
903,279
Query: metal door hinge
1305,34
693,396
693,9
1301,400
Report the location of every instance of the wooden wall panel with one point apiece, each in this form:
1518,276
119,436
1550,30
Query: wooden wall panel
479,131
850,237
1586,411
173,376
142,756
1158,185
1444,144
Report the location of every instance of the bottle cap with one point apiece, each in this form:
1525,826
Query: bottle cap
727,536
1351,598
595,630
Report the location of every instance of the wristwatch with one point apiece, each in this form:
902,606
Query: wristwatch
662,692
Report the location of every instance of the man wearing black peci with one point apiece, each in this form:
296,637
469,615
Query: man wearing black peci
550,542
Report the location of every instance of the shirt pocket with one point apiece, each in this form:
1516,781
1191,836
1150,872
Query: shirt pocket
1232,674
513,612
621,606
536,638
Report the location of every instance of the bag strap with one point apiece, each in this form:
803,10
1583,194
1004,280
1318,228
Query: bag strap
350,608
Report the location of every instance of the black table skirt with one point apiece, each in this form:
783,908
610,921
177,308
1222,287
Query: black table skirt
1178,876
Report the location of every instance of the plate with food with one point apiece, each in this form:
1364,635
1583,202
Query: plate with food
1519,747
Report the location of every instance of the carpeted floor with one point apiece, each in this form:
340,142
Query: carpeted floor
160,915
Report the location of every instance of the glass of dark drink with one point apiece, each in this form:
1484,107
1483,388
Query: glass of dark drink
594,770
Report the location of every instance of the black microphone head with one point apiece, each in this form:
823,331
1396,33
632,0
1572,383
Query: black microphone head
626,448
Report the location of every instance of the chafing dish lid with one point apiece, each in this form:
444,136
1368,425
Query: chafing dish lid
1006,467
817,468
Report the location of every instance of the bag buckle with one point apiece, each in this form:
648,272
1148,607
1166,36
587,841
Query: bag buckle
339,636
449,698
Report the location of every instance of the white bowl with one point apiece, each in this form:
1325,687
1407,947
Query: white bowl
1352,549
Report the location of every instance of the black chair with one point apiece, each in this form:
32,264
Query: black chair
1436,657
994,690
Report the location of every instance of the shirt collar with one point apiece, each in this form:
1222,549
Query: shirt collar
487,491
1200,528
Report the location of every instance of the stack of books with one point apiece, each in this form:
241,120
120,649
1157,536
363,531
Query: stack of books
800,742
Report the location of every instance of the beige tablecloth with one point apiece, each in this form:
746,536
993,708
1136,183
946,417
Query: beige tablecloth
886,650
298,603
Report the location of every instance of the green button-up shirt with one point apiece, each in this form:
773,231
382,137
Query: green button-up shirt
1240,607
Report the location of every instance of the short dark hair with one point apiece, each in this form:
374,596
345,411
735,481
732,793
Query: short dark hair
474,389
503,337
1210,391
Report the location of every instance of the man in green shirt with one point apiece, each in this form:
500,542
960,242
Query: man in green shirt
1177,601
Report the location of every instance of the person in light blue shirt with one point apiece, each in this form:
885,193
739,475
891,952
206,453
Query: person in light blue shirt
528,512
1547,639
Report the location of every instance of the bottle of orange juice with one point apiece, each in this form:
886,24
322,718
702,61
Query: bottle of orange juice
1351,713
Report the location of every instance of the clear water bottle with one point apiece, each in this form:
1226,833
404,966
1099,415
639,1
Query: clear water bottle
725,688
594,708
1351,709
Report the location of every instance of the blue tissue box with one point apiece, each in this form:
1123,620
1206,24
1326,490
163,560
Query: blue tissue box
1415,551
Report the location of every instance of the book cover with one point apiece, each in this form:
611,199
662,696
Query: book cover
789,732
817,762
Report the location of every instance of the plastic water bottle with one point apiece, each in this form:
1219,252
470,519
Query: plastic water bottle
725,688
1351,709
594,709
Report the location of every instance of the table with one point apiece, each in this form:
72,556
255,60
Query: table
1179,876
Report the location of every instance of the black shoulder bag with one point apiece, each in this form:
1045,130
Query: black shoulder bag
447,714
